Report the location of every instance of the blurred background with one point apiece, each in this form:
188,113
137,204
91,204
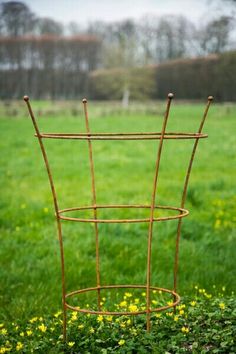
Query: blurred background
118,49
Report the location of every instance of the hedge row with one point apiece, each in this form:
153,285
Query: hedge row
187,78
111,84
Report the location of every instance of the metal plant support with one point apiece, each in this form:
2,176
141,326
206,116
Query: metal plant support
180,211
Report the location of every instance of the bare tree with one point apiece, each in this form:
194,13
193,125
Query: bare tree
46,25
147,27
73,28
215,36
173,35
16,18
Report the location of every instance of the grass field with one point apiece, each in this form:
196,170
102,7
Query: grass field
29,250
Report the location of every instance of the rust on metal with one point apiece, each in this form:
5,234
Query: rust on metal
184,194
94,200
157,309
121,136
59,229
180,212
153,199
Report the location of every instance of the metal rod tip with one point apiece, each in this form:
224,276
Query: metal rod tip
210,98
170,95
26,98
84,100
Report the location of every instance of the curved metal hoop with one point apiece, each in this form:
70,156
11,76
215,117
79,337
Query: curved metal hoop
122,136
182,213
120,313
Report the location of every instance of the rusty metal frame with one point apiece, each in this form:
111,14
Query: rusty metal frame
180,211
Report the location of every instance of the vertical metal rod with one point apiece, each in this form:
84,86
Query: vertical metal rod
149,251
176,262
94,201
59,229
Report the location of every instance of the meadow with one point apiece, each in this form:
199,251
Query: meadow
29,251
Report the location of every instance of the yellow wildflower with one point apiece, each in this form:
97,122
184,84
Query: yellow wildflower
176,318
74,316
158,315
91,330
169,303
19,346
3,331
128,294
222,305
128,321
181,312
29,333
57,314
80,326
123,304
154,302
3,350
71,344
193,303
169,314
34,319
180,307
22,334
42,328
143,294
109,318
133,308
121,342
100,318
136,301
185,329
133,331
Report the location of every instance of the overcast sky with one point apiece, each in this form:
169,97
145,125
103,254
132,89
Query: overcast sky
111,10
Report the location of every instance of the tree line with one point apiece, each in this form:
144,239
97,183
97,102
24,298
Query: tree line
42,57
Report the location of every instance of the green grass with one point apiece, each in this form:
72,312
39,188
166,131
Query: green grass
29,250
